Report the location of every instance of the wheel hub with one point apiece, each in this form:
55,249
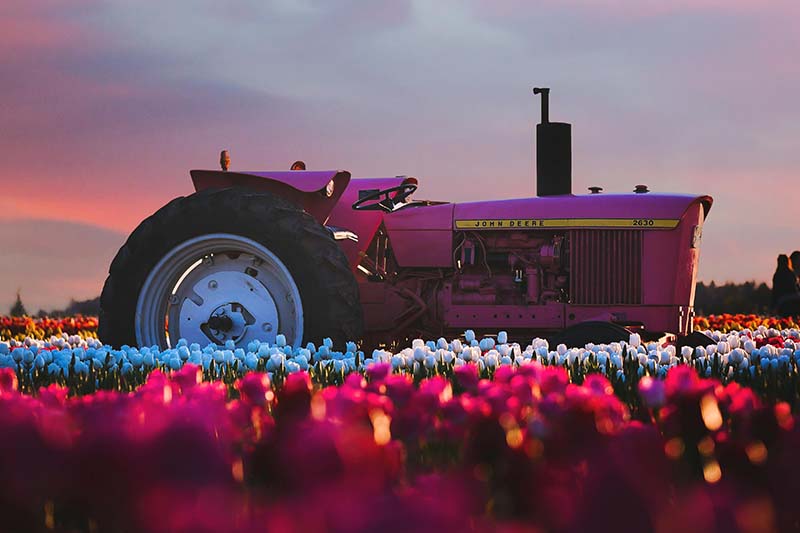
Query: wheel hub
224,305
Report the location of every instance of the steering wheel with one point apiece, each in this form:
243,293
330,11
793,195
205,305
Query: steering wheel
388,203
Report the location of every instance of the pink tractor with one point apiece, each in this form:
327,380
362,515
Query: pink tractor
315,254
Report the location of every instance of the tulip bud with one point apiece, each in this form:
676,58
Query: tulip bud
635,340
572,356
419,354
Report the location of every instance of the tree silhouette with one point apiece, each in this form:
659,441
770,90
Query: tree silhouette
18,309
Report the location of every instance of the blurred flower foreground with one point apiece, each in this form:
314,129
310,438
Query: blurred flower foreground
468,434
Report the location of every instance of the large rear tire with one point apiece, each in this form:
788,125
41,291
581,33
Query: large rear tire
229,264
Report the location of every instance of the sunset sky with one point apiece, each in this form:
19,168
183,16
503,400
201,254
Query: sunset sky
106,104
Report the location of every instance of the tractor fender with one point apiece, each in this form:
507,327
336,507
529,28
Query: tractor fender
305,188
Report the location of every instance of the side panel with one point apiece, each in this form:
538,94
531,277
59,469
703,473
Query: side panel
362,223
422,236
544,317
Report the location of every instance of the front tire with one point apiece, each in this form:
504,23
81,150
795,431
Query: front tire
229,265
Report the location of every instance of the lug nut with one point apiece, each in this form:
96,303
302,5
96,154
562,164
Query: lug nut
212,284
267,327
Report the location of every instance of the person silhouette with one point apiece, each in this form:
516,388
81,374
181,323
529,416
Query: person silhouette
794,259
298,165
785,291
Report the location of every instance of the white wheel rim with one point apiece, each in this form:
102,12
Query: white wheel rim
216,288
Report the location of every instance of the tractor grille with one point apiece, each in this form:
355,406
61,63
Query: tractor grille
605,267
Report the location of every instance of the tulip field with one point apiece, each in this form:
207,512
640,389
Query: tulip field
467,434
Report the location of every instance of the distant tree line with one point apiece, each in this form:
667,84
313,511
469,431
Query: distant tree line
748,297
711,299
75,307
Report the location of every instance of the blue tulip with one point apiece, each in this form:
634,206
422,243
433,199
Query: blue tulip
541,351
184,352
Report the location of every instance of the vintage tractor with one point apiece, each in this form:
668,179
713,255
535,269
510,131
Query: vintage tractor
314,254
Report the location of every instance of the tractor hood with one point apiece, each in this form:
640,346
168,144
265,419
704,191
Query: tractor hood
587,211
303,187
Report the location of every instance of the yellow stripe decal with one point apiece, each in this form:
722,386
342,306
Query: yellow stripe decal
536,223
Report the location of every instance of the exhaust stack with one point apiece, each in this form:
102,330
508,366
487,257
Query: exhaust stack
553,152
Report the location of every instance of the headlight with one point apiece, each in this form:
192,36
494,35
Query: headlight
329,189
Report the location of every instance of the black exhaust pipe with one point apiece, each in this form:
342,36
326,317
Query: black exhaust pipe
553,152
